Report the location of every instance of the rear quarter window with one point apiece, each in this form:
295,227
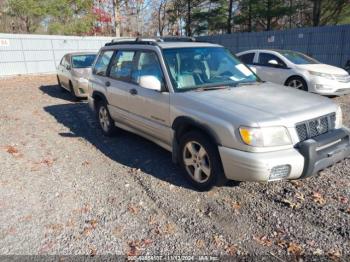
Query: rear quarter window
102,63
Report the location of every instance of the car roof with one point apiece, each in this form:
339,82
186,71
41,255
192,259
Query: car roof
161,44
81,53
267,50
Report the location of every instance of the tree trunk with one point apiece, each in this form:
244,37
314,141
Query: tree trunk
250,16
117,20
268,17
229,19
316,12
189,19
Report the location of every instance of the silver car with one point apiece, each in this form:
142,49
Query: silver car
219,120
73,72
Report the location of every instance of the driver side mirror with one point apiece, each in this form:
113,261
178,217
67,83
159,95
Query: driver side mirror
68,67
273,62
151,82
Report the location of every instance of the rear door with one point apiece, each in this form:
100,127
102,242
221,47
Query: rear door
276,73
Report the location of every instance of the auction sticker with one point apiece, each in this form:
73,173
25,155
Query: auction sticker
4,42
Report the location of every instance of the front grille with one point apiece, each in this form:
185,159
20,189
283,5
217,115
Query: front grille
315,127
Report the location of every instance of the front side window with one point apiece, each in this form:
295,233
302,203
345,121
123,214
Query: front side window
247,58
205,67
82,61
298,58
147,65
122,65
266,58
102,63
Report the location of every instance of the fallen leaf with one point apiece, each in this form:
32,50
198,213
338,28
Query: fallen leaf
169,229
290,203
85,163
295,249
300,196
200,243
281,243
334,254
318,198
318,252
152,220
264,241
133,209
12,150
348,210
296,183
231,249
93,223
93,252
343,200
218,241
235,205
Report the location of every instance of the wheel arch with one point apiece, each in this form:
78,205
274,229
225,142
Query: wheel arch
295,76
183,124
98,96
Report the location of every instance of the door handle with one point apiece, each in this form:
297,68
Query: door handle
108,83
133,91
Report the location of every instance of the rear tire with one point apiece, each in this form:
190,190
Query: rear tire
104,119
297,82
200,160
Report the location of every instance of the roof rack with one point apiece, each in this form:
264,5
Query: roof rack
148,41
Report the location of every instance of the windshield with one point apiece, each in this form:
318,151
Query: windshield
198,67
298,58
82,61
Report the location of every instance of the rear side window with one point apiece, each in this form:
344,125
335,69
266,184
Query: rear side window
102,63
122,65
247,58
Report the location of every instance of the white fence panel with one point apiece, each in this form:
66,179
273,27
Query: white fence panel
36,54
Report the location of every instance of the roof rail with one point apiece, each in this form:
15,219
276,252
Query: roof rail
148,41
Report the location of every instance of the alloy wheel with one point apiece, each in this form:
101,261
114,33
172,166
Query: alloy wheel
295,83
104,118
197,162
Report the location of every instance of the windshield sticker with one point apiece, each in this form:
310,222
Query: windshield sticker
244,70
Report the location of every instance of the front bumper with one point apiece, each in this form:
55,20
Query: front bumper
326,87
80,86
306,159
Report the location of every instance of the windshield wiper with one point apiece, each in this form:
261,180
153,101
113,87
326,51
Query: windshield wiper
246,83
207,88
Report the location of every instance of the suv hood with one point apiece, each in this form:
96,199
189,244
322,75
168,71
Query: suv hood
264,104
323,68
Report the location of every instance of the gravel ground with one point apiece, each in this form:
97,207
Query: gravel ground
67,189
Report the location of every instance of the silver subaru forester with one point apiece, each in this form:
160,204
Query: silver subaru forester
219,120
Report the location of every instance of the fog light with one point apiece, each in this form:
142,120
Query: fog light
279,172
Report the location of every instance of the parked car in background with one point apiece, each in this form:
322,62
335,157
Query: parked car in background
213,113
297,70
347,66
73,72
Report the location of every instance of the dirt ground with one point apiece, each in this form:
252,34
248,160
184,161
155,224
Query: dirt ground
67,189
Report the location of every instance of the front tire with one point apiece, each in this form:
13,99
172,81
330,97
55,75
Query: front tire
71,89
60,84
297,82
104,119
200,160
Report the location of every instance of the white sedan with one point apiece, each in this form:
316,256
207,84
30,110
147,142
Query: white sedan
297,70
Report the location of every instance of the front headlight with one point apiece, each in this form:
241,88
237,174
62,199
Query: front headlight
328,76
339,118
265,136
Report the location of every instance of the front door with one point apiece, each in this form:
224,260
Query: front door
271,68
